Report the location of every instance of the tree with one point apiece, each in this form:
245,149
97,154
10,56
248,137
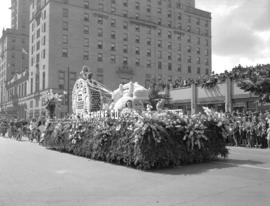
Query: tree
258,83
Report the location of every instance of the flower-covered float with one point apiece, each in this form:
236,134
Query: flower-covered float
138,138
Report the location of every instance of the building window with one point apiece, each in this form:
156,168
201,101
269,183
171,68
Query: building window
189,39
31,86
159,21
125,49
65,39
125,25
189,49
206,42
125,37
44,27
198,21
206,23
137,28
61,79
44,40
160,54
198,60
86,55
100,20
148,53
207,71
64,52
86,29
189,69
113,23
137,39
189,59
100,45
159,65
86,4
169,45
179,68
125,3
148,41
159,32
113,9
100,32
137,50
38,33
148,63
112,47
170,56
113,36
44,14
86,42
113,59
148,9
38,45
137,5
170,66
189,19
101,6
137,62
125,13
198,40
159,43
125,60
65,12
43,53
65,26
86,17
43,80
100,57
198,70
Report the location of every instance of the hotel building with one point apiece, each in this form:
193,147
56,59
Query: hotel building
120,40
14,54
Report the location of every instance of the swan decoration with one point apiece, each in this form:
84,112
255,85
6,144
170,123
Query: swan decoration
89,95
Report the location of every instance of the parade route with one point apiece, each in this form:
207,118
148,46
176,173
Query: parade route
31,175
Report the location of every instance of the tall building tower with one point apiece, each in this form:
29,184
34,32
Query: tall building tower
14,48
120,40
20,15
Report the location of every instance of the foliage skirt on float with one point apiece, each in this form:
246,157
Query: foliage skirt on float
158,140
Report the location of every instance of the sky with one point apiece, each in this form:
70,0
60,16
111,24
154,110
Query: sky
240,31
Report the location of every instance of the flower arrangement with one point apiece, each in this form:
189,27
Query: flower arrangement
146,141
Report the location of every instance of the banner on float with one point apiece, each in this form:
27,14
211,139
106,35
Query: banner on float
114,114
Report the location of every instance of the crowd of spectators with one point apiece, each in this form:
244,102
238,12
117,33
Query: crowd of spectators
237,73
247,129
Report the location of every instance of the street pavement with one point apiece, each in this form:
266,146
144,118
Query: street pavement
31,175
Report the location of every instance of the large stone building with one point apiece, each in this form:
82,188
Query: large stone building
120,40
14,52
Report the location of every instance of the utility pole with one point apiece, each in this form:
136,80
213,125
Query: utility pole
68,89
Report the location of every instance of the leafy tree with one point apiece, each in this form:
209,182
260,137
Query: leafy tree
258,82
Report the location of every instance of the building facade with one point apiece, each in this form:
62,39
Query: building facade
120,40
14,50
225,97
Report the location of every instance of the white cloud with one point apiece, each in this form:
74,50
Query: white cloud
240,32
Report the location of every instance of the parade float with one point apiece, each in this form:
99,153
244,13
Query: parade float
138,138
